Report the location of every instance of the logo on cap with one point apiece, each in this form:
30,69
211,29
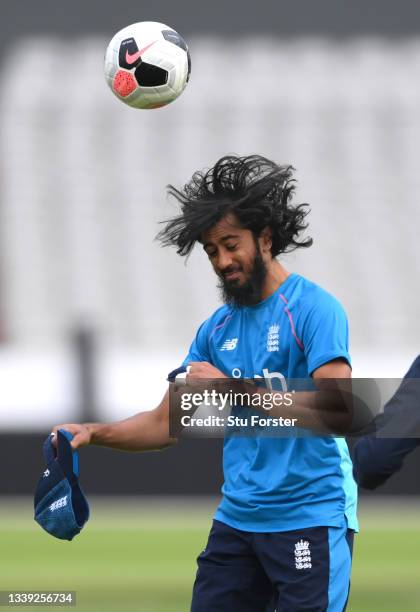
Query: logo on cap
60,503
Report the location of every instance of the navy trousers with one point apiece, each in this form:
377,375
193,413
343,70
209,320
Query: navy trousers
304,570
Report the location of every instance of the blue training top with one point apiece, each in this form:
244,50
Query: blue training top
281,483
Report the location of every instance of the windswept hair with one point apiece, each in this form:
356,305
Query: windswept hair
254,189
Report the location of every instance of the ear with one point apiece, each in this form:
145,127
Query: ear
265,240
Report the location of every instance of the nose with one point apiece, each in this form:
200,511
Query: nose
224,260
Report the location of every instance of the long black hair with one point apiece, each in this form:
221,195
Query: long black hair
255,190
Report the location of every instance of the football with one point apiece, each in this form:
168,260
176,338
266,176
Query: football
147,65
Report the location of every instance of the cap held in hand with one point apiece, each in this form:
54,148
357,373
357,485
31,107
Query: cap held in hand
61,507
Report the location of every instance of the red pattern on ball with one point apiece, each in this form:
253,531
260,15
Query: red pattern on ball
124,83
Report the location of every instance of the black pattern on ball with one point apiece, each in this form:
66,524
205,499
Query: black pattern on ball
128,56
175,38
148,75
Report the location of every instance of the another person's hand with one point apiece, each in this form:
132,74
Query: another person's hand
81,434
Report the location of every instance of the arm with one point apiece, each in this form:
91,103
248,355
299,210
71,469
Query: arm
144,431
378,456
326,410
377,459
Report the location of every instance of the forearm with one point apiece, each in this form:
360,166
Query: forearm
322,411
328,409
145,431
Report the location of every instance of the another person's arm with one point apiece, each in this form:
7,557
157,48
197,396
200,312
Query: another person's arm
377,457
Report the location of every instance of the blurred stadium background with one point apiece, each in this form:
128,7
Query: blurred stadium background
93,313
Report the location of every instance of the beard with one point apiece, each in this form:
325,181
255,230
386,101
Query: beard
248,293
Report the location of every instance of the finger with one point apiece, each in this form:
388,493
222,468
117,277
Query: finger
54,434
191,370
71,428
80,439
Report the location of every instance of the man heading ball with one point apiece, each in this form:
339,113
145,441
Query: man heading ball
282,535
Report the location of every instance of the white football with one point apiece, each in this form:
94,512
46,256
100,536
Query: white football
147,65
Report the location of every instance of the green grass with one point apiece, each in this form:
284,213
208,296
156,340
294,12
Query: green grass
141,557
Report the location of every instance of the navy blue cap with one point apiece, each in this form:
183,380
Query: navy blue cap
173,375
61,507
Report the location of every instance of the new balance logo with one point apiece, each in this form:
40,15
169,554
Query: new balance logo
60,503
229,344
273,338
302,555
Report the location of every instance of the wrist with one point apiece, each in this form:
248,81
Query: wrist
96,433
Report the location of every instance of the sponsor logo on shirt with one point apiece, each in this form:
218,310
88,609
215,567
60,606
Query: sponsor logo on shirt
267,376
302,555
229,344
